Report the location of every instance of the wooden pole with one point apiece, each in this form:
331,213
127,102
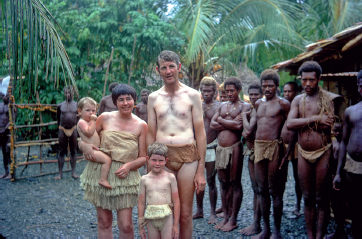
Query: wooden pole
105,80
40,132
130,69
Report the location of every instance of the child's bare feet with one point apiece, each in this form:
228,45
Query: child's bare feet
104,183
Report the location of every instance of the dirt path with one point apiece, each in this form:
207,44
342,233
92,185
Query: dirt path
43,207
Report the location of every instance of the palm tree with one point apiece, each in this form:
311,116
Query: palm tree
218,29
30,20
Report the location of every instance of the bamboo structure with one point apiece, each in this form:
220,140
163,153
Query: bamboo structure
40,142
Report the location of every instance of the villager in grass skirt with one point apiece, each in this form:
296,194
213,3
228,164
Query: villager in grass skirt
122,147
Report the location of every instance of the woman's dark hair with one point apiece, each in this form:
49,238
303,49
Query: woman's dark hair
123,89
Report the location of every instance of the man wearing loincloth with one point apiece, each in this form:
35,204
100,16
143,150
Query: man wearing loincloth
290,90
4,135
208,90
269,119
229,160
175,119
123,138
67,135
255,93
312,115
352,145
141,108
106,103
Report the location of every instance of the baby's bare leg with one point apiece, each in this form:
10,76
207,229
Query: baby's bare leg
152,232
106,161
167,228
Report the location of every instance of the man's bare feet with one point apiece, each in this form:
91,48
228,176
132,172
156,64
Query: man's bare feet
198,214
8,177
4,175
254,228
59,176
276,235
229,226
212,219
104,183
221,214
74,175
218,210
264,234
221,224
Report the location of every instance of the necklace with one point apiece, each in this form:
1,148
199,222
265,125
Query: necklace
227,106
203,112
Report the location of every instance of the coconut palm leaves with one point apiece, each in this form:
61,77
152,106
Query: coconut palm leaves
240,24
29,26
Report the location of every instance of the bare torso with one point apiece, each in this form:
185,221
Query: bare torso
354,147
141,111
106,105
94,139
209,112
158,189
67,114
4,115
228,137
270,118
311,138
174,115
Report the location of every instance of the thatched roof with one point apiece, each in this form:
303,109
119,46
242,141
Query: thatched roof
337,55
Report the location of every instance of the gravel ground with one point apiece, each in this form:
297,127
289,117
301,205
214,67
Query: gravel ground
44,207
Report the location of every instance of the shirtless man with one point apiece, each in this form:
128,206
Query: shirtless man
4,135
141,108
229,151
175,119
255,93
290,90
311,115
67,123
269,119
352,145
208,90
106,104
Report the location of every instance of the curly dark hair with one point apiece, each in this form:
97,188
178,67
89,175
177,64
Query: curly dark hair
255,86
123,89
294,84
112,86
145,91
232,80
270,74
168,56
310,66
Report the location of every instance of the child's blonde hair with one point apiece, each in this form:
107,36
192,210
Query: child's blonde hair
158,149
86,100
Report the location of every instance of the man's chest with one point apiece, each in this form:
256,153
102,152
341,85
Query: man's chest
269,110
68,108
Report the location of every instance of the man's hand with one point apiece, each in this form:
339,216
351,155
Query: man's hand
326,119
283,160
123,171
175,231
94,117
142,232
337,182
239,117
200,182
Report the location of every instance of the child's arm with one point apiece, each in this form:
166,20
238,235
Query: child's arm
141,208
176,206
88,129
